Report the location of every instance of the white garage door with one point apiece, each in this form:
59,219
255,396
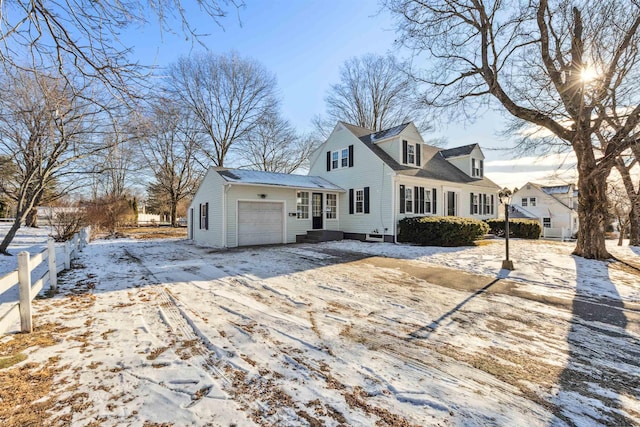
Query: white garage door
260,223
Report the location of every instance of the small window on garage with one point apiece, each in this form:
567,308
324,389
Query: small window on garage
302,205
546,222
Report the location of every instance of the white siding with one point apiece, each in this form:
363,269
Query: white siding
211,190
546,207
367,171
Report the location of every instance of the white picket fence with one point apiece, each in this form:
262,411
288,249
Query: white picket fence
28,290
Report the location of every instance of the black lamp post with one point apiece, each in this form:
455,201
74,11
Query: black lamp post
507,264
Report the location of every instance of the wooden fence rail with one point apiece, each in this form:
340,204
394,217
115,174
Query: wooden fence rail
28,290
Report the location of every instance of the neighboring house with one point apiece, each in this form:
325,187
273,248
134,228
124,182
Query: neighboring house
360,183
555,206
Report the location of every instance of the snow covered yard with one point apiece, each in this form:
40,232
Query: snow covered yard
340,333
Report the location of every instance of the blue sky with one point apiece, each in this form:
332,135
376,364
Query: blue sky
304,43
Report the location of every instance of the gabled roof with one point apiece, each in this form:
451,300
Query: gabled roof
555,191
251,177
434,164
465,150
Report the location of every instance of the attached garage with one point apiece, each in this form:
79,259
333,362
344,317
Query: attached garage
260,223
237,207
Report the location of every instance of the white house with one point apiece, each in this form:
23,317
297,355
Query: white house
555,206
360,184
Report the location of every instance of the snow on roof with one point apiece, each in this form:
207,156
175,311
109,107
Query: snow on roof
278,179
388,133
556,189
458,151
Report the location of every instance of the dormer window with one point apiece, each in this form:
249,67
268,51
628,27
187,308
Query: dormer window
410,153
477,168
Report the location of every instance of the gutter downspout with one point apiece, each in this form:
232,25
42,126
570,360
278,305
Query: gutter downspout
393,208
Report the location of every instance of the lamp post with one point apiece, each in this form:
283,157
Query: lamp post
507,264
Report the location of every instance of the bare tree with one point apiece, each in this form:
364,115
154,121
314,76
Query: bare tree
620,208
570,69
171,153
227,94
45,127
274,146
82,37
374,92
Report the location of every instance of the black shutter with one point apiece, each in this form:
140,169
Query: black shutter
416,195
200,216
206,216
402,199
492,203
404,152
351,201
366,200
418,149
471,204
351,156
421,200
434,201
328,161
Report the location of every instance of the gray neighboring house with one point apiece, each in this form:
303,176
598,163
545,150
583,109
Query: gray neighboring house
360,184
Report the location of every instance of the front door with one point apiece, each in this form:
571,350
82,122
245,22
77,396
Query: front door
316,209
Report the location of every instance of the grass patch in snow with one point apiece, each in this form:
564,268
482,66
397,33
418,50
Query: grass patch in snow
8,361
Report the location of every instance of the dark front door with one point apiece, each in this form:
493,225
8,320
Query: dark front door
316,209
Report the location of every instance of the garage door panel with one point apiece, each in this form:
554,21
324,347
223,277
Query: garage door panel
260,223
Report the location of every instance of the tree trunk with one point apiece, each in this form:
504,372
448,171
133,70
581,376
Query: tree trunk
592,209
634,220
174,209
10,235
622,226
32,218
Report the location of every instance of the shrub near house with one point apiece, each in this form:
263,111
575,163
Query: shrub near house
522,228
441,231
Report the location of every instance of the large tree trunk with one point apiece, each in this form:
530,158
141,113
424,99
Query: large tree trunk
592,208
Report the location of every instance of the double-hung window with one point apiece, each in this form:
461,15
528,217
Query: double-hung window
408,199
427,201
546,222
344,158
532,201
411,153
332,206
524,202
335,160
359,201
302,204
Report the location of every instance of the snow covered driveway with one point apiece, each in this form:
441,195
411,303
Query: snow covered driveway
343,334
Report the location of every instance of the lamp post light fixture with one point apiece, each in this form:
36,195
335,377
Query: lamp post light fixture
507,264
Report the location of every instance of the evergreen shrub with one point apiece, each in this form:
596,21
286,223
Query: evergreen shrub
520,228
441,230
